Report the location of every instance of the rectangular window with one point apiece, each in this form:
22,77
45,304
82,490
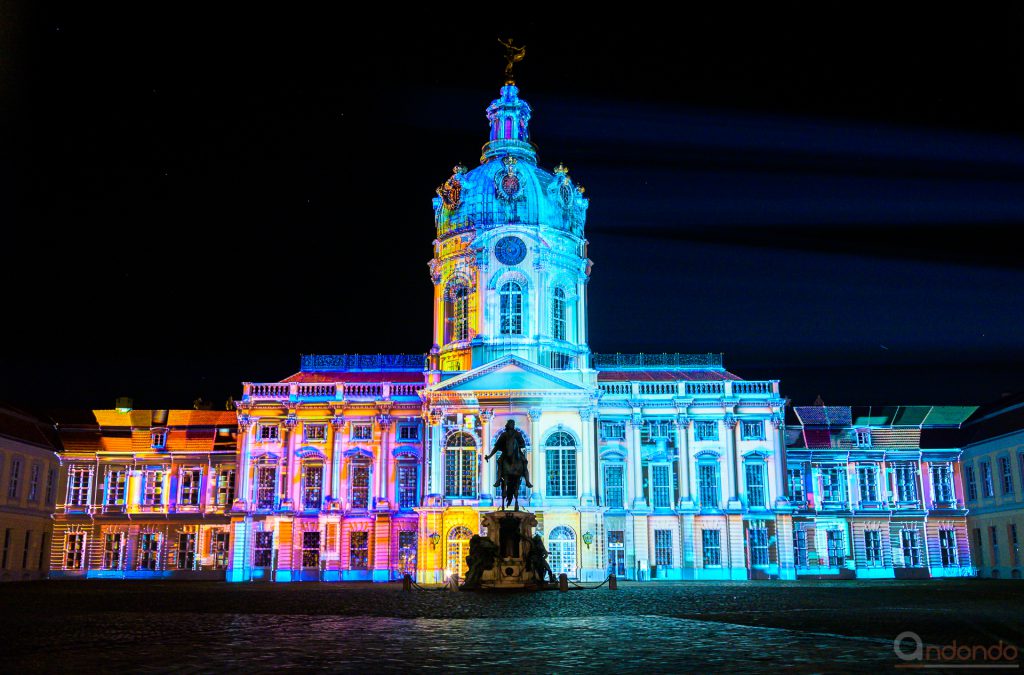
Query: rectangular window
79,485
116,479
113,550
187,551
312,486
311,550
220,549
225,487
51,482
911,548
408,432
362,432
867,481
460,467
795,485
711,541
7,548
268,433
149,551
359,551
978,546
266,487
906,483
158,439
24,550
800,547
613,431
360,490
15,478
993,539
756,497
987,490
263,550
558,315
406,485
942,483
863,438
654,430
315,433
663,548
947,548
1006,476
707,485
752,431
757,537
835,543
1014,544
74,550
661,479
972,487
190,480
42,550
560,361
153,488
613,493
705,430
407,552
33,483
833,487
873,547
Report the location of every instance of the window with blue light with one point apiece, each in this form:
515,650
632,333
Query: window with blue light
362,431
873,547
315,433
266,486
752,430
460,466
707,485
511,309
158,439
800,547
661,486
987,488
972,486
906,483
263,549
359,484
663,548
705,430
795,485
756,494
312,485
407,485
560,457
1005,476
867,482
833,486
311,549
757,537
835,544
912,554
711,544
359,551
408,432
949,556
942,483
613,486
558,314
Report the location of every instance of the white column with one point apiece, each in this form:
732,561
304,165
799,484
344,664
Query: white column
780,457
436,486
537,460
683,460
289,484
337,432
487,473
248,429
727,463
636,480
585,458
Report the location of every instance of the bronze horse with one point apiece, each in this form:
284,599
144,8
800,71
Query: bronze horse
512,466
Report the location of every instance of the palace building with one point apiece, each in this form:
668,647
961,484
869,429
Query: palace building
367,467
648,466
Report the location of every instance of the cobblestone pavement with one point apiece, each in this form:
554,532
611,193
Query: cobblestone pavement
140,626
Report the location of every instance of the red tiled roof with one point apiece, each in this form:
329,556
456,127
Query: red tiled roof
664,375
347,376
27,428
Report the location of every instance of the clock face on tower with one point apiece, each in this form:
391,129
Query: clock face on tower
510,250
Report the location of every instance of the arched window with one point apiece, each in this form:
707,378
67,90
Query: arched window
457,313
562,547
511,298
558,314
460,466
458,549
560,455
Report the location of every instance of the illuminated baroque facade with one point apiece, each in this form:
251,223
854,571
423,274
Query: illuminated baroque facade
366,467
144,494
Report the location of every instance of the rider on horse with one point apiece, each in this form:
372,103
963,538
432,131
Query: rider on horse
510,441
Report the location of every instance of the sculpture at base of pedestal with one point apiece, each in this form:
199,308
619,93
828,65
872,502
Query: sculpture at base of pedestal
510,556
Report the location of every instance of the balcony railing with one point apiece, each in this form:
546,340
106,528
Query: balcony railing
337,391
638,361
691,389
349,362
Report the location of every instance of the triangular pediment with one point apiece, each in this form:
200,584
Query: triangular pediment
509,373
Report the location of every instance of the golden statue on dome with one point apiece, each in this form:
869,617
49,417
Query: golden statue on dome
513,55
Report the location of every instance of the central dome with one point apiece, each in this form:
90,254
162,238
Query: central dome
508,188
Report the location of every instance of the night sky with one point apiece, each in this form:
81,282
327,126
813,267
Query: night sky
829,197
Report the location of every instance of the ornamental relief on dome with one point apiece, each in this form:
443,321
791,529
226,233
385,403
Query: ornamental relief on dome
508,181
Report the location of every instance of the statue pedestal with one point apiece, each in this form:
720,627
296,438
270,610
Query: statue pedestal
512,533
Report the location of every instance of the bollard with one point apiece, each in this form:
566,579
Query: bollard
613,583
563,582
407,583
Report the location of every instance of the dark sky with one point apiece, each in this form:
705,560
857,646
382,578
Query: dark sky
829,197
